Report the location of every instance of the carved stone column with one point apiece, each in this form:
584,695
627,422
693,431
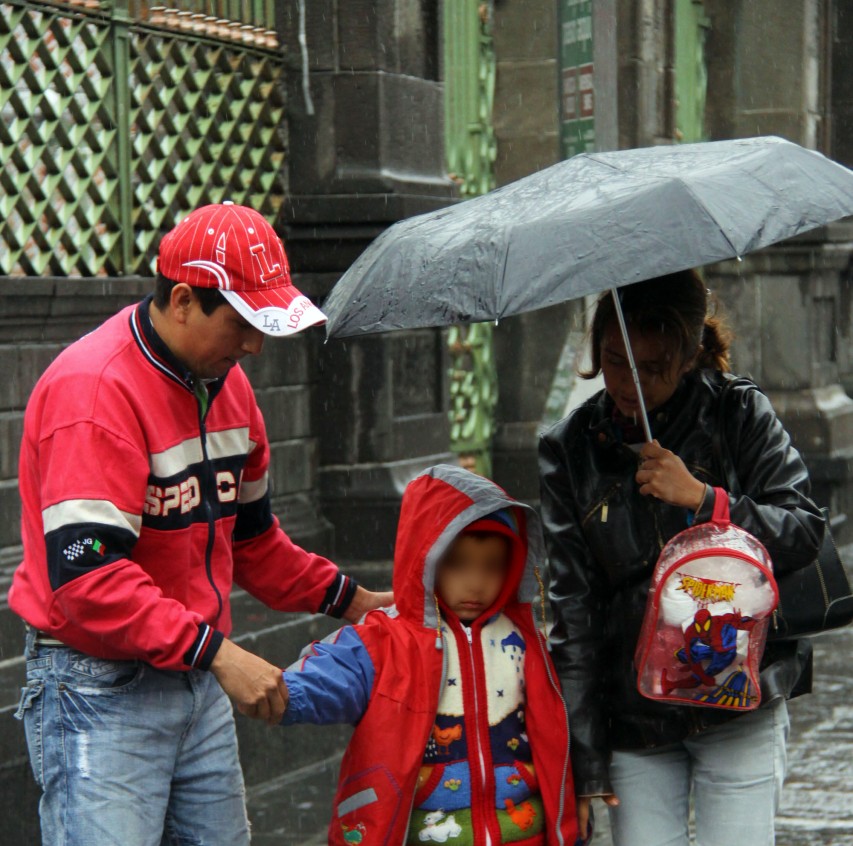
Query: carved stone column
366,149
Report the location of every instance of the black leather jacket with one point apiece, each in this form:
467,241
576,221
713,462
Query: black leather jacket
604,538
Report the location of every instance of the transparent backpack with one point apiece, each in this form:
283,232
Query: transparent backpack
711,597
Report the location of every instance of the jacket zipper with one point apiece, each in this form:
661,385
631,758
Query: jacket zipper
211,522
480,756
558,688
602,505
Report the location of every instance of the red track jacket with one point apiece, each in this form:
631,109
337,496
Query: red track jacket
139,512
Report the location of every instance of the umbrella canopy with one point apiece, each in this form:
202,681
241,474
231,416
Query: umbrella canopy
593,222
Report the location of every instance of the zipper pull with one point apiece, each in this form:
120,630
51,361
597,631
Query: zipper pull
604,510
468,634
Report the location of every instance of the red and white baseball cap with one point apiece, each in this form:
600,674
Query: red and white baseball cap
234,249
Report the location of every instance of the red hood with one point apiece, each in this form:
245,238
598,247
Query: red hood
437,506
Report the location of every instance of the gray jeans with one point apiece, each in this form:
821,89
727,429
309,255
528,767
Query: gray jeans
735,772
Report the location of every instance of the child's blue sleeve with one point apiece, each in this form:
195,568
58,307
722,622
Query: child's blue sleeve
331,682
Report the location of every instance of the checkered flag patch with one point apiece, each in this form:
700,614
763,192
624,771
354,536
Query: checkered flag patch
75,550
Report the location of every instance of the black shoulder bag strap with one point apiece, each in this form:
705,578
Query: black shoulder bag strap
813,599
719,444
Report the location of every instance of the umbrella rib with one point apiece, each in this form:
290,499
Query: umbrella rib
593,158
499,288
698,201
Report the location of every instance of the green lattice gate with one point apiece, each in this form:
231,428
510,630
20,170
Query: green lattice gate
471,151
117,118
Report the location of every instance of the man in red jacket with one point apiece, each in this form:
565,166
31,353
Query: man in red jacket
143,477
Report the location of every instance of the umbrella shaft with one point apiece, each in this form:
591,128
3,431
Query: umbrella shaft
634,375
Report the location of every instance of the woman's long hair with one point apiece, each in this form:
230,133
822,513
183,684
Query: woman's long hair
676,306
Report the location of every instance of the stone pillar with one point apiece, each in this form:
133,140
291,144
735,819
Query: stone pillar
526,96
383,418
605,28
527,132
769,74
791,308
371,153
840,50
765,69
645,32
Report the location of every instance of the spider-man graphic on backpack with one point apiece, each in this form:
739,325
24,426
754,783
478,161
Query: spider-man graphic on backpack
712,638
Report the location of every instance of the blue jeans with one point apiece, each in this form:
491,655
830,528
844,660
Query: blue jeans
735,770
127,754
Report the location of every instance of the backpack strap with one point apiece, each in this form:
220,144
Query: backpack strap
720,516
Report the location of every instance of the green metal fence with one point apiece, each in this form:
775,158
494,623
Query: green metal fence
691,76
471,148
246,21
117,118
470,66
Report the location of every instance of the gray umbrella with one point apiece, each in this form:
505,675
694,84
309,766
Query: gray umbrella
590,223
585,225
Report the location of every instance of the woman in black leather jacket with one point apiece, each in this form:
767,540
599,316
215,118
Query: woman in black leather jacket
610,502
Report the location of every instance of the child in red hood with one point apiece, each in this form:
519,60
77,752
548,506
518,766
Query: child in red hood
461,731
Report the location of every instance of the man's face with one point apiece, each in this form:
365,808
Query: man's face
212,344
472,573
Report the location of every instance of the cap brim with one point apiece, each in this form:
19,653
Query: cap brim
278,311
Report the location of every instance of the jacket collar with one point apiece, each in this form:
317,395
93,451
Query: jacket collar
604,432
158,355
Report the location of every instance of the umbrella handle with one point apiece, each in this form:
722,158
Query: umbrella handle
634,375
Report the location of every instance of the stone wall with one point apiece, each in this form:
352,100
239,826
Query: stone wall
37,319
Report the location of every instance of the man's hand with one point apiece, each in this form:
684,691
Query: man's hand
255,686
366,600
662,474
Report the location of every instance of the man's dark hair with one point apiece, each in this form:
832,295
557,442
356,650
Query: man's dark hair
209,298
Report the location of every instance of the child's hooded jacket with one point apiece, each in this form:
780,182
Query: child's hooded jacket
386,675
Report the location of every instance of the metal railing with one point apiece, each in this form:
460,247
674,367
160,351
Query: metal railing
250,22
114,123
471,148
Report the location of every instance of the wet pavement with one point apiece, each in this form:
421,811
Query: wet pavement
817,805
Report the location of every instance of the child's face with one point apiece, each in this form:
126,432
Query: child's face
472,573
